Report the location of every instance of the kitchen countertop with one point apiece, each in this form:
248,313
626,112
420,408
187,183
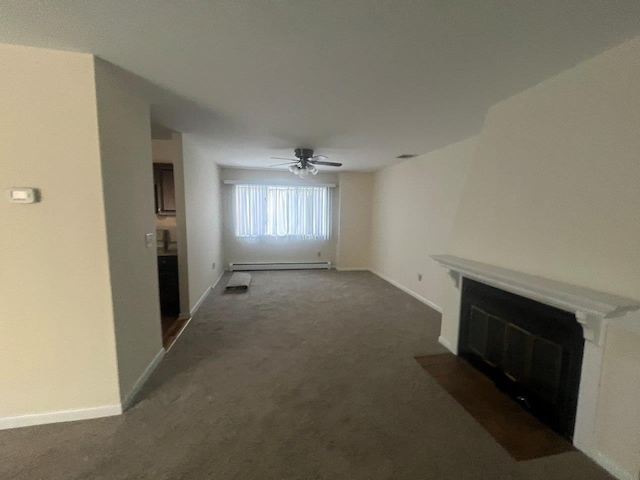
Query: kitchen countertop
171,252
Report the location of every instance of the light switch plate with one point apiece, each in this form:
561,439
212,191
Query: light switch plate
148,240
23,195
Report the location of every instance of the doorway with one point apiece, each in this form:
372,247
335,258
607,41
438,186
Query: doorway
170,233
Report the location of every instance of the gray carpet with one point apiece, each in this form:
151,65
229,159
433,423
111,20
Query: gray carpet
310,375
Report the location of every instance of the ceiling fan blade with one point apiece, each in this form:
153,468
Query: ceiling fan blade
316,158
282,158
329,164
280,164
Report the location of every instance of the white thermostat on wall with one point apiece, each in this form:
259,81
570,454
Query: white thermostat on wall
23,195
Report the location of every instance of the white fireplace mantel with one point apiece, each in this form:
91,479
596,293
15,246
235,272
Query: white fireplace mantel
595,311
590,307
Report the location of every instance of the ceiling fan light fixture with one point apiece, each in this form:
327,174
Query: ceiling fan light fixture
303,172
306,163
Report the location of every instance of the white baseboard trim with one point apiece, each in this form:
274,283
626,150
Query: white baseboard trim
217,281
612,467
82,413
130,396
267,266
410,292
447,344
198,304
352,269
59,416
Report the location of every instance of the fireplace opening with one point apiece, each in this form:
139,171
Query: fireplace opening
532,351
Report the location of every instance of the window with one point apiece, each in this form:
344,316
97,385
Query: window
283,211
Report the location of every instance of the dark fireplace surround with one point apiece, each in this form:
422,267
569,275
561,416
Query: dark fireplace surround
532,351
541,340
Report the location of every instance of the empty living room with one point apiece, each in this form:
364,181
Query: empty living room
298,239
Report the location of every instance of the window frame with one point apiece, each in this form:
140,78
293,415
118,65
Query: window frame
297,210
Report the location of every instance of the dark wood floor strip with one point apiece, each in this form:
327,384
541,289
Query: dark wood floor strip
172,327
515,429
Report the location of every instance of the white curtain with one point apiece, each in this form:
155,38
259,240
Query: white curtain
283,211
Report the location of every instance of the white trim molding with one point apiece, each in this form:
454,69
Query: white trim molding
217,281
613,468
258,266
59,416
128,399
83,413
446,344
428,303
590,307
198,304
352,269
278,183
593,310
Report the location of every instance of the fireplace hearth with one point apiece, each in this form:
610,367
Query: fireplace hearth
532,351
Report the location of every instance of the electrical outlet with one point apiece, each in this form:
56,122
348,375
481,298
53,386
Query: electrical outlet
419,277
148,240
319,254
213,266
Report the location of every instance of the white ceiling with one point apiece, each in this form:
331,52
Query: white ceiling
361,81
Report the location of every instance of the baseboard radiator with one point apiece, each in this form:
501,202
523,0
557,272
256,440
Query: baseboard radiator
238,267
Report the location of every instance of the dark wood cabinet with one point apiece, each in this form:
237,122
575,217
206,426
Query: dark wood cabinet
169,284
164,186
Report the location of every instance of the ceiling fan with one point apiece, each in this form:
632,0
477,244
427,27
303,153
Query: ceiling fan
306,162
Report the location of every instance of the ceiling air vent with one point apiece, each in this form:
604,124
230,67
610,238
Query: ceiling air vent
406,155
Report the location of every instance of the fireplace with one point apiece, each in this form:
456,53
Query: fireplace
532,351
524,331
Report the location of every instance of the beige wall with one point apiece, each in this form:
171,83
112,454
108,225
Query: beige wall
58,346
203,218
163,150
554,191
354,239
618,422
414,206
277,249
127,177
